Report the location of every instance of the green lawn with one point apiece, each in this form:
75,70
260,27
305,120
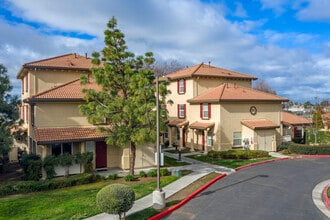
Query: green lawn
69,203
171,162
230,163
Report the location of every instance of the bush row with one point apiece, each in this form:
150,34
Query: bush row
36,186
150,173
308,149
32,164
238,154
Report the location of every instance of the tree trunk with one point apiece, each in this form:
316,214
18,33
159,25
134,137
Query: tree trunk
132,158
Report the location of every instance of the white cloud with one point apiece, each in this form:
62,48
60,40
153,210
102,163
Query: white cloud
316,10
188,31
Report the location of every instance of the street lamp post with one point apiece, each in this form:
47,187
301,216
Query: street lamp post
158,194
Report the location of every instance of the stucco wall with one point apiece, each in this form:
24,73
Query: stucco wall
144,156
58,115
204,84
42,80
233,113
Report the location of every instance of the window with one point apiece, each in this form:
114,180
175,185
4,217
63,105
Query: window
32,114
63,148
205,110
182,86
181,110
26,80
237,138
210,139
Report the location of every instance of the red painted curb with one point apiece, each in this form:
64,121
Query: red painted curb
259,163
184,201
325,196
279,159
175,207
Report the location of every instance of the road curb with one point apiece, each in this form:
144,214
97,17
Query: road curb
325,196
187,199
194,194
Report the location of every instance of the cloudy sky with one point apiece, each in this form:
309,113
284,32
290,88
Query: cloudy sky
285,43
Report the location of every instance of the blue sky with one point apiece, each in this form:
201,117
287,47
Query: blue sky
285,43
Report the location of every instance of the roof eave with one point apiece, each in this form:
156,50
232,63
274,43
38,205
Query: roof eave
44,100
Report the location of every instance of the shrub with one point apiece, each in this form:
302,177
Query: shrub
283,146
113,176
86,160
36,186
129,178
309,150
152,173
65,160
238,154
143,173
49,166
32,165
164,172
115,199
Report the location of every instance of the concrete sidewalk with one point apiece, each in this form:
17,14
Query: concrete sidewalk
199,170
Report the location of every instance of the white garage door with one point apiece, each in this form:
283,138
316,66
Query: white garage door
265,139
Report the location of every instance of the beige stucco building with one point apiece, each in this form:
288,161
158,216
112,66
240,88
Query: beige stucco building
215,108
51,95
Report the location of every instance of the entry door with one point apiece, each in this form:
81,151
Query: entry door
101,154
265,139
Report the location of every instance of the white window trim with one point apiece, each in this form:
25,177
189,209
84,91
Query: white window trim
181,111
205,110
237,138
181,86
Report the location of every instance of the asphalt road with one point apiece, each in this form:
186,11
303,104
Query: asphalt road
274,191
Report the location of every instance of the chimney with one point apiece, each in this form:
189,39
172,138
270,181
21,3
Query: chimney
86,55
209,63
75,55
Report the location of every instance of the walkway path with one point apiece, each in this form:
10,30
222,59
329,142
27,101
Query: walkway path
199,169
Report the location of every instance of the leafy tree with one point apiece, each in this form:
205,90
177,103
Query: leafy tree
8,112
126,96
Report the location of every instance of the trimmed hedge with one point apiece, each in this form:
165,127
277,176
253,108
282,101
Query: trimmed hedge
238,154
309,150
36,186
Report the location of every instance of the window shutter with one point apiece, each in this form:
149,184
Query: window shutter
184,107
209,110
201,110
184,86
178,111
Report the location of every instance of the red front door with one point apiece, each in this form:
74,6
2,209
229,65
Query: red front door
101,154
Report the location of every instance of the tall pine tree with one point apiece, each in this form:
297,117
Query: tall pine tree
8,112
127,95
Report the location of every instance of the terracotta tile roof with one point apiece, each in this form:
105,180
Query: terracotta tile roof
178,123
232,92
70,61
291,119
207,71
201,125
68,91
71,134
259,124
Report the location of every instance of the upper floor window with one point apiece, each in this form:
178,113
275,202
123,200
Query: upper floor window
181,86
181,110
26,82
205,110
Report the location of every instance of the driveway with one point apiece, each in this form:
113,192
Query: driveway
278,190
